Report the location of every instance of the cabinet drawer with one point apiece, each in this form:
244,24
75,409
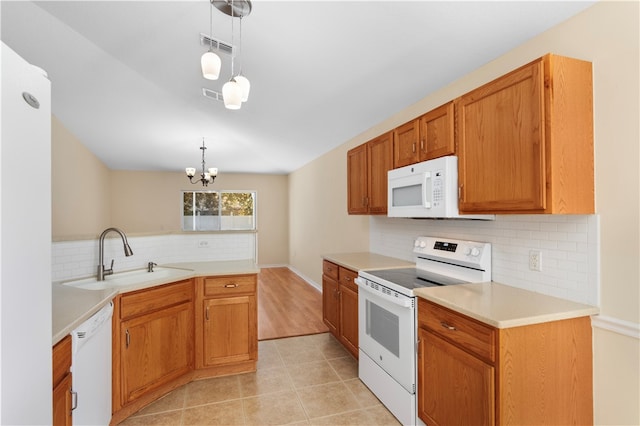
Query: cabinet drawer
61,359
330,269
463,331
150,300
346,277
229,285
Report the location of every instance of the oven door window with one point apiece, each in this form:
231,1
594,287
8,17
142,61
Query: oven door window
383,327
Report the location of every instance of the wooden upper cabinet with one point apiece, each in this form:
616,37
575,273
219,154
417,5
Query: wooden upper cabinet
379,162
405,144
437,133
428,136
525,141
357,180
367,167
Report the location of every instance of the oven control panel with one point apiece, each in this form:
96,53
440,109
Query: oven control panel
465,253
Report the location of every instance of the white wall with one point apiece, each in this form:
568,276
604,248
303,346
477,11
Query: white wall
25,251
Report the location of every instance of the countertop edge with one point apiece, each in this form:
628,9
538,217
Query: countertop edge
192,270
566,309
360,261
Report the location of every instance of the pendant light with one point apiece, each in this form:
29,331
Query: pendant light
210,62
241,79
232,91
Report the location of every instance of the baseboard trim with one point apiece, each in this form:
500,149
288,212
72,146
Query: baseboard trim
307,279
626,328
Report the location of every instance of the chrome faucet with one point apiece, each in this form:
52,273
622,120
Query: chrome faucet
127,252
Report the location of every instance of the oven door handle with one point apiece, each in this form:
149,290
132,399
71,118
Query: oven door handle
401,300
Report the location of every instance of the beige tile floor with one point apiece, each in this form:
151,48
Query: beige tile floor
300,380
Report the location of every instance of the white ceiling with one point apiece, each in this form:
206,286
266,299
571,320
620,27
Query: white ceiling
126,79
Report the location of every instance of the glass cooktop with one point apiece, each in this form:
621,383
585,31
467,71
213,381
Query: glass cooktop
410,278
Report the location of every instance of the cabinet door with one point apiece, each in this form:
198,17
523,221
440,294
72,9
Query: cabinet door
405,144
62,402
436,133
349,317
357,195
330,303
230,330
61,379
155,349
380,161
501,144
454,387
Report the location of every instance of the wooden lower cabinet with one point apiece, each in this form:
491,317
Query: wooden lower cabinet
472,373
157,348
226,324
153,344
62,381
340,304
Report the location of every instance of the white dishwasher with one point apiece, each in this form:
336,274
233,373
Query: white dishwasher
91,369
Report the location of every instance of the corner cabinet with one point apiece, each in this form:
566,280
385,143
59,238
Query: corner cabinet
226,324
525,141
427,137
367,167
472,373
62,381
340,304
153,344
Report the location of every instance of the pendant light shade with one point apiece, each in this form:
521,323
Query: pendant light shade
232,94
211,65
245,85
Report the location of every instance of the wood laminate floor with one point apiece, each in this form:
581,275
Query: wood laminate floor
287,305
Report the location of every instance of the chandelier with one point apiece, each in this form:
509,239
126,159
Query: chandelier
206,176
236,90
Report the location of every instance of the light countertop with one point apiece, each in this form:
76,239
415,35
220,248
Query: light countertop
364,260
504,306
72,306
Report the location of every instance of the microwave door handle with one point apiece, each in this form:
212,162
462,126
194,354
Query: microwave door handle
426,190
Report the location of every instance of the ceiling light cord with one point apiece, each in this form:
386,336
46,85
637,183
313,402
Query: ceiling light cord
232,91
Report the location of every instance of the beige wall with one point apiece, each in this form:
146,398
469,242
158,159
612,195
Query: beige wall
606,34
87,197
150,202
80,187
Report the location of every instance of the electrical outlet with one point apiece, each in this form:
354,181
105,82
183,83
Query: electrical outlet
535,260
203,244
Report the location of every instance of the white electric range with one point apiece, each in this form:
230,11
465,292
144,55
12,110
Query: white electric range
387,315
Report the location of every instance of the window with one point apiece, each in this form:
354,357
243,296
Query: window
218,210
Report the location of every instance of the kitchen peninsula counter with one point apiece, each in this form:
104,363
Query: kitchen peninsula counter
504,306
71,306
359,261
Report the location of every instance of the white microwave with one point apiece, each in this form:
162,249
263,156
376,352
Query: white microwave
428,190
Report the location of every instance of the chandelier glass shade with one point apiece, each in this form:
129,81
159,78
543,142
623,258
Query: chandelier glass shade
207,176
211,64
232,94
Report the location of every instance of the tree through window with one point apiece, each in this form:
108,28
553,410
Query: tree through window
218,210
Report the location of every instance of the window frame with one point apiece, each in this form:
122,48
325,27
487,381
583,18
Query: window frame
221,228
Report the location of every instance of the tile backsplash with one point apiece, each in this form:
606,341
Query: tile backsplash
569,245
76,259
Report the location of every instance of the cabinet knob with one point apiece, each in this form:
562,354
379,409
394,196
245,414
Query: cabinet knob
231,285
